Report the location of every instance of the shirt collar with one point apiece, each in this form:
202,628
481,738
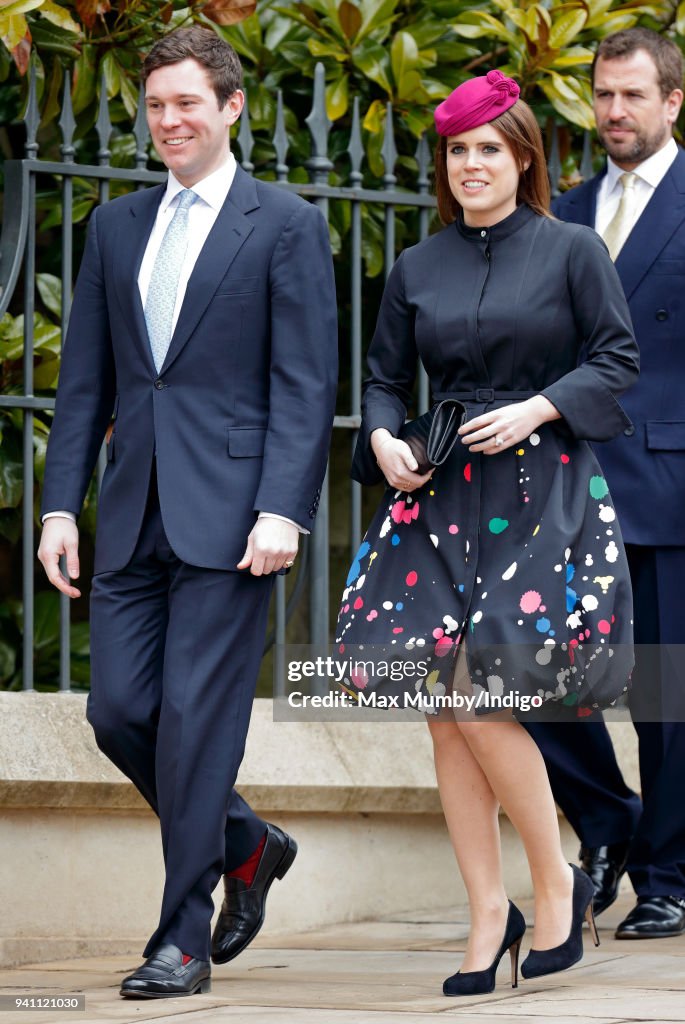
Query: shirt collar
651,170
212,190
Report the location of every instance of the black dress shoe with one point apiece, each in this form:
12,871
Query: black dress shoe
654,917
164,975
242,913
605,865
548,961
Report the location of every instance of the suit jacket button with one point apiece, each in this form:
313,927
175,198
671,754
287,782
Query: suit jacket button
629,431
661,314
159,384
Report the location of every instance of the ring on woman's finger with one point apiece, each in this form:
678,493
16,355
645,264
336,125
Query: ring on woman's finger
289,564
498,441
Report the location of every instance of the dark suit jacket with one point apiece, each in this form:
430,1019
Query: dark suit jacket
240,414
645,466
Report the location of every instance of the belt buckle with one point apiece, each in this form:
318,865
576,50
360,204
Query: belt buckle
485,394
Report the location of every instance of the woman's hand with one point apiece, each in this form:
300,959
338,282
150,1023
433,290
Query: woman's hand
499,429
397,462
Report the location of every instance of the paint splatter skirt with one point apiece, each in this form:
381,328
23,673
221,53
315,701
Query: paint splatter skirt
518,553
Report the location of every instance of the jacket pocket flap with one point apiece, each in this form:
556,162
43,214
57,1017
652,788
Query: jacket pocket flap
666,435
246,441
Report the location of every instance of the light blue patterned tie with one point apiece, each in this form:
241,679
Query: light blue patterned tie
161,295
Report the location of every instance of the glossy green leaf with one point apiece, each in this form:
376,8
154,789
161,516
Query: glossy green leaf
404,56
475,24
617,23
566,28
377,15
129,95
83,92
50,291
60,17
372,60
11,10
318,48
374,119
680,18
45,375
573,56
337,97
112,74
576,111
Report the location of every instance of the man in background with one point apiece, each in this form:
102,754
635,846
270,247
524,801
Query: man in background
637,203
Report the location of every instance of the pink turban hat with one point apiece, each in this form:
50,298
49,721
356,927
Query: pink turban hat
475,102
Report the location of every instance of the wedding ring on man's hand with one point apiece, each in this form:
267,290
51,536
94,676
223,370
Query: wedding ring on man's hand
290,564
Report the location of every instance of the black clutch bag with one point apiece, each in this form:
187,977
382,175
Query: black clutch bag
432,436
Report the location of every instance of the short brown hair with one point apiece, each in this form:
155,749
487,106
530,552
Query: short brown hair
522,132
216,56
664,52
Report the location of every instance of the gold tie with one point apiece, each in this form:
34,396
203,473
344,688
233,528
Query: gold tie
619,227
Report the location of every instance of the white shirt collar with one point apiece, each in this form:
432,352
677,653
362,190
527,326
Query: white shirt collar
212,190
651,170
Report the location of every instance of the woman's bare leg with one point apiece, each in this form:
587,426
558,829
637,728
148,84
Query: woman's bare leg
471,812
513,766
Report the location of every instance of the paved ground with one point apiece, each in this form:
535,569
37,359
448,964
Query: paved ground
380,972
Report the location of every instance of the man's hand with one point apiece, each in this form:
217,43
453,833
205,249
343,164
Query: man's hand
499,429
396,461
271,545
60,537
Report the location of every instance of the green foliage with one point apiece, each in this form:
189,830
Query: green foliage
548,46
46,647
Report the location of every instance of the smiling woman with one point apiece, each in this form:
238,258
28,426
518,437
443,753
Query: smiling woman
480,566
483,175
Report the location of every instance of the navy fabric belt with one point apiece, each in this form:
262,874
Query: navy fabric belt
485,395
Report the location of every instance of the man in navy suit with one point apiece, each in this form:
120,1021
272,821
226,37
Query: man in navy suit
637,203
203,342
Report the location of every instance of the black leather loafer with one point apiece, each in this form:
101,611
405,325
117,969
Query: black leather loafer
165,975
242,913
605,865
654,917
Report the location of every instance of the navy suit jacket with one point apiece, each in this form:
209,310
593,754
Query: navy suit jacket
240,414
645,465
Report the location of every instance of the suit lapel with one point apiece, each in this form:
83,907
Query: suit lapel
136,230
228,233
582,205
661,218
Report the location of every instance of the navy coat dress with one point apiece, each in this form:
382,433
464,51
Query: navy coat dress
518,553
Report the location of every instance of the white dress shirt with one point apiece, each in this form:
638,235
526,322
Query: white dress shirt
649,174
212,192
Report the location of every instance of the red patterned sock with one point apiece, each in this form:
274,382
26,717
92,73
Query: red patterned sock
248,870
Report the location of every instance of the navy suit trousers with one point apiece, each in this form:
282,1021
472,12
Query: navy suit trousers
175,655
586,779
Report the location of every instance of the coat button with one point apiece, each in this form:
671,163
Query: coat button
629,431
661,314
159,384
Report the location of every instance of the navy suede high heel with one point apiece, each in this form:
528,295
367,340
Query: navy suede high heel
548,961
475,983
